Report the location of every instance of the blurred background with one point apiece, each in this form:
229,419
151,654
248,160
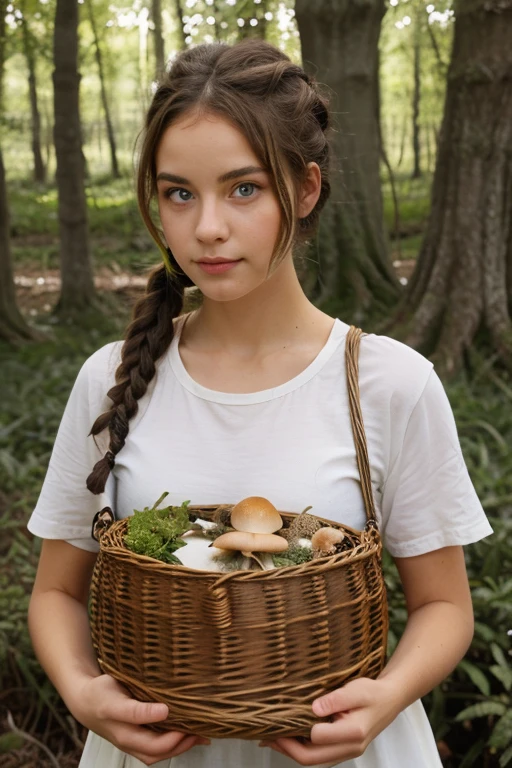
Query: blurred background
416,243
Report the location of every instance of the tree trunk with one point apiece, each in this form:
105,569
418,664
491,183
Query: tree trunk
13,327
340,48
216,15
156,13
179,18
250,10
103,91
75,258
416,93
28,49
460,284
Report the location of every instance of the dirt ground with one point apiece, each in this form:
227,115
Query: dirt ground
38,290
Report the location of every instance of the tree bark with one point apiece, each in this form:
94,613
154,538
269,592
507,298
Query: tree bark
104,99
416,94
460,284
28,49
340,48
179,17
13,327
75,258
216,15
156,13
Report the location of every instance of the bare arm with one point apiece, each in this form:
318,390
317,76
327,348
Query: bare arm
440,625
438,633
59,628
57,617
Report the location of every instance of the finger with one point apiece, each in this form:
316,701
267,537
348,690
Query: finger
187,743
272,745
127,710
346,729
314,755
138,739
355,694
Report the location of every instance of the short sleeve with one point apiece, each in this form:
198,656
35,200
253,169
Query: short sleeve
428,499
65,508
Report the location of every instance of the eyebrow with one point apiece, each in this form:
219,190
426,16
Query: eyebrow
235,174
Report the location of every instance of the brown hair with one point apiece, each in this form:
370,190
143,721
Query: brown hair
284,117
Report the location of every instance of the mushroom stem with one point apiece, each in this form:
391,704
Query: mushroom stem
264,559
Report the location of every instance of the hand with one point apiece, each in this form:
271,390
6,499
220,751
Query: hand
105,707
359,711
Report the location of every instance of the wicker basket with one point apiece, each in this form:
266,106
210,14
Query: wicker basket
244,654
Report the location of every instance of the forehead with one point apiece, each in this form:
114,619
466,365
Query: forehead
202,143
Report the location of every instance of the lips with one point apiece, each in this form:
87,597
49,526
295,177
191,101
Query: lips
217,266
217,261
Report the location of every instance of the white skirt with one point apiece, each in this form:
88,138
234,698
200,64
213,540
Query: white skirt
407,742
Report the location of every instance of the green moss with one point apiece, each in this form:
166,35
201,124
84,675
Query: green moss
156,532
293,556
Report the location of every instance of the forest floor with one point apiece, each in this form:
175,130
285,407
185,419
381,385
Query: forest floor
37,289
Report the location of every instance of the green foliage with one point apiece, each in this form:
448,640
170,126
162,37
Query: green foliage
156,532
293,556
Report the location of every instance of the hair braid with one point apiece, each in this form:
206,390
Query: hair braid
147,338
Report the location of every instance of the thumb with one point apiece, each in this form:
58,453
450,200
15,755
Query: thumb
350,696
143,712
328,704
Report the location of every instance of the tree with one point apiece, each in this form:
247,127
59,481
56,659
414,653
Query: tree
156,16
253,12
12,325
103,91
28,50
179,20
340,48
416,96
75,259
460,283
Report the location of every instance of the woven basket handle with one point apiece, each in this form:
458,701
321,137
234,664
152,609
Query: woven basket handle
356,419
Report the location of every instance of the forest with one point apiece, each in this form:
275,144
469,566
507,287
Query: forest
415,243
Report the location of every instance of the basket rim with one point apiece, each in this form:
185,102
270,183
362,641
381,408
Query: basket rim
370,544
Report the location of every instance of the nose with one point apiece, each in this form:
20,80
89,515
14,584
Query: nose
211,225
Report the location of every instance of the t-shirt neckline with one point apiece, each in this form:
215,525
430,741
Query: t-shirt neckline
337,334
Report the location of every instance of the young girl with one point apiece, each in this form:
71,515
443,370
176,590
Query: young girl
246,396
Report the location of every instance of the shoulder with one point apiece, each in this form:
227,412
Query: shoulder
95,378
101,365
391,373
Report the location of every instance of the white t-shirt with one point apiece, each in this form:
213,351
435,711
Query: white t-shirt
293,445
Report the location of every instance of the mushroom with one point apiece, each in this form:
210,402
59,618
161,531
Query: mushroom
325,541
256,515
248,543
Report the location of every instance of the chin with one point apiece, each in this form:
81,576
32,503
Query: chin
227,293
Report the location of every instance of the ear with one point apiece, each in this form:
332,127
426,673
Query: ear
310,190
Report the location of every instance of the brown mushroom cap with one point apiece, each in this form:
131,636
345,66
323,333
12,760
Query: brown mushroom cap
325,539
256,515
243,541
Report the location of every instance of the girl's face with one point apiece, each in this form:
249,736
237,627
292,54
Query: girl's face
218,210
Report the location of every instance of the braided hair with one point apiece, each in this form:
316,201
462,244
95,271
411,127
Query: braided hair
285,118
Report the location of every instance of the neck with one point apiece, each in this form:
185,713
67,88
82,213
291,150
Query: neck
274,314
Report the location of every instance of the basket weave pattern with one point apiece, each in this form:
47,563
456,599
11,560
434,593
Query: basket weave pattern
242,654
